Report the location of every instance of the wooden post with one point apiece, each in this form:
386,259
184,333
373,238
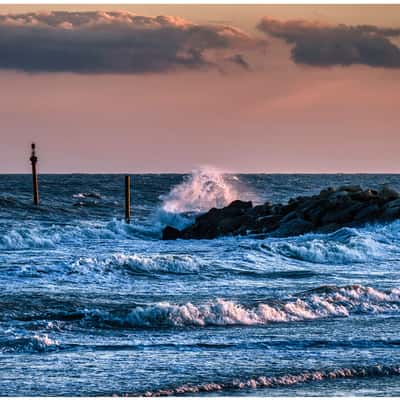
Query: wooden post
127,199
33,161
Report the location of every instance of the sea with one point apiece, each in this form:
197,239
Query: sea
93,306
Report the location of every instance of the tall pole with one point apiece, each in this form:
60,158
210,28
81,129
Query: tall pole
127,199
33,161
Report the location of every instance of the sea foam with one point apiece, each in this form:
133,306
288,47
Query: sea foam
282,380
325,302
205,188
138,264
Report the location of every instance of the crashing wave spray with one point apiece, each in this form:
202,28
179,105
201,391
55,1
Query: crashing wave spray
205,188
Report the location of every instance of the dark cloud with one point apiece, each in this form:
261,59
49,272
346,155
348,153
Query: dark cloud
112,42
325,45
238,59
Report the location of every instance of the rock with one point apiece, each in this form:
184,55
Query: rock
365,195
328,211
326,192
339,195
230,225
267,224
261,210
391,213
341,215
387,194
170,233
332,227
313,210
350,188
288,217
369,212
392,204
239,205
293,227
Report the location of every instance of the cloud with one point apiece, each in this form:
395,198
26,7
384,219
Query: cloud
240,60
325,45
113,42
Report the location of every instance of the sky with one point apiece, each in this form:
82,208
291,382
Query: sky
169,88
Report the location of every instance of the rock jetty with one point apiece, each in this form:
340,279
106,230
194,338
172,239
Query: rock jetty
325,212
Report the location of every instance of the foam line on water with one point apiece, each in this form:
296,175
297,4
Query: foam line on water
37,236
278,381
138,264
346,246
35,344
320,303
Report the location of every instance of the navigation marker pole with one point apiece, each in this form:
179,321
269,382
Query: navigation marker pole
33,161
127,199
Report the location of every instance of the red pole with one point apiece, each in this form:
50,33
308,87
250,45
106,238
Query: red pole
35,184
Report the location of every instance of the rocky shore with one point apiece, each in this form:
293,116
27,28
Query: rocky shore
325,212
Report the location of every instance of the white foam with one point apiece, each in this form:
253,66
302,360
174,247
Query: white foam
283,380
138,263
321,303
343,247
205,188
39,236
23,238
36,343
93,195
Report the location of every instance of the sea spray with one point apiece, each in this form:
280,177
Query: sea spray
205,188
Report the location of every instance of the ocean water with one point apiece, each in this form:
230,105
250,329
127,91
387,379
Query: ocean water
92,306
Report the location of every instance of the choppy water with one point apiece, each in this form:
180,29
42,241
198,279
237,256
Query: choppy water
92,306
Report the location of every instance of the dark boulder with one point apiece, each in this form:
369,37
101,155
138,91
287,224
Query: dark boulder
341,214
388,194
328,211
370,212
293,227
267,224
170,233
261,210
350,188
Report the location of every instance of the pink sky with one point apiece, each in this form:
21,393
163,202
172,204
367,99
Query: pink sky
277,116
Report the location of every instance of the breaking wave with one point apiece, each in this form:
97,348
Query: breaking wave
34,344
347,245
138,264
283,380
205,188
89,195
319,303
39,236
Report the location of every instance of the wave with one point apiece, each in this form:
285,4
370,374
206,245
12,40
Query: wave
345,246
34,344
89,195
278,381
205,188
30,238
41,236
324,302
138,264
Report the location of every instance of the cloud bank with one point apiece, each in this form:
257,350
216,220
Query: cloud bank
115,42
324,45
